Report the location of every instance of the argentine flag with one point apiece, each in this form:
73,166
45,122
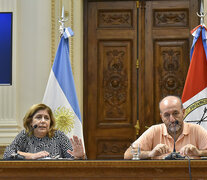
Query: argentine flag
60,94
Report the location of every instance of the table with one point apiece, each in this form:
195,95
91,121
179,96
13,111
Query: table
103,169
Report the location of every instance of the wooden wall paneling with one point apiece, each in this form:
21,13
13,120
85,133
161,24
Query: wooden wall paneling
111,83
2,149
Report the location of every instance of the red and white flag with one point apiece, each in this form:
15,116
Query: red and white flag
194,96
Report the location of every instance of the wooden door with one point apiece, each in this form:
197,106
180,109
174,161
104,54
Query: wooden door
110,98
115,33
166,53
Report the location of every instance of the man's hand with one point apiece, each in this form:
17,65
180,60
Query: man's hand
190,150
160,149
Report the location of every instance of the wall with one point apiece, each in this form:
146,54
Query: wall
31,58
34,52
35,41
8,106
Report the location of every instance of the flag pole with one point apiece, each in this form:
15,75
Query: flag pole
62,21
202,14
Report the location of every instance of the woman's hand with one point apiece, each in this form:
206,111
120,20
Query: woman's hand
78,150
38,155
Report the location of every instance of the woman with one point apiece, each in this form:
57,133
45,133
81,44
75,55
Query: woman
40,139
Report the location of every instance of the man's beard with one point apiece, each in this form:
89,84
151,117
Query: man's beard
174,127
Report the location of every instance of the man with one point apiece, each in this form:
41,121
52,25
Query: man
158,140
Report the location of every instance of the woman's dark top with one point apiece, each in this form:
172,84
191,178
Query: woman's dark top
56,146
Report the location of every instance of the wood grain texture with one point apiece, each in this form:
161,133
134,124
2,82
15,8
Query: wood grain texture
101,170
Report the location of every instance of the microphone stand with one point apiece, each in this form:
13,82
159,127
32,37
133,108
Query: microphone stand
174,155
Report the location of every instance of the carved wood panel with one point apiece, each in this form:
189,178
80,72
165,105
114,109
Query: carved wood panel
171,18
111,148
114,83
109,18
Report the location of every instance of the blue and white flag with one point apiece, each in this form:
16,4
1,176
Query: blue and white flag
60,92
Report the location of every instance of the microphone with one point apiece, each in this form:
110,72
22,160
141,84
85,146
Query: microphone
16,156
174,155
176,123
32,128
